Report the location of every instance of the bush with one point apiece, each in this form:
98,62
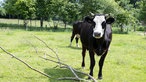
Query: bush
141,28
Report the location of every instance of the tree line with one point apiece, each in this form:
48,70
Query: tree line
126,12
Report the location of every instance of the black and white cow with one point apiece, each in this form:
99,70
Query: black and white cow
76,32
96,36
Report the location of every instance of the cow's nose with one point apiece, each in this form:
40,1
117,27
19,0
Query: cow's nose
97,34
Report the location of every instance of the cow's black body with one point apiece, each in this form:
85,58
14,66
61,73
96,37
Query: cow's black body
76,31
97,46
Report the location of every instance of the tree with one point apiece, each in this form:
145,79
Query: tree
43,9
143,10
63,10
94,6
2,11
125,4
55,9
123,11
142,15
25,8
10,8
125,18
134,2
70,12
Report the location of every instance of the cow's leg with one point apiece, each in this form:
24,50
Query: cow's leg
83,56
77,38
101,62
77,41
92,62
72,37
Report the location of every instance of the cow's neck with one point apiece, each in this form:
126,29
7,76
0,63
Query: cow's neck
98,42
99,46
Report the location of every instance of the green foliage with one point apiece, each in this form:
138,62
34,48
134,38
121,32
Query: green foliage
69,12
124,4
42,8
125,18
143,10
26,8
9,7
2,11
94,6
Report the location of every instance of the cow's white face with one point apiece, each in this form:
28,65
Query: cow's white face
98,30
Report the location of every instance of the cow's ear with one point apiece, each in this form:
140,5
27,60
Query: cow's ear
110,20
88,19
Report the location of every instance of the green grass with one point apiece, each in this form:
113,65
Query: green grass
125,62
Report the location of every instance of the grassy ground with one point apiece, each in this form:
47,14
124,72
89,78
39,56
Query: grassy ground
125,62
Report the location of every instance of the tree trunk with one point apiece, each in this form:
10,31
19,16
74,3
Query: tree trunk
30,22
55,24
41,22
35,22
144,31
121,26
18,20
134,28
65,25
25,24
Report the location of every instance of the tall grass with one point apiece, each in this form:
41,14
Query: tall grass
125,61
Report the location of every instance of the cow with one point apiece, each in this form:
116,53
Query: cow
96,36
76,32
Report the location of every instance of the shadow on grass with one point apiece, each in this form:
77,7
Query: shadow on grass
144,37
33,28
74,47
60,73
71,47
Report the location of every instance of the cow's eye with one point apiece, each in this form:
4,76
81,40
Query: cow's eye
103,24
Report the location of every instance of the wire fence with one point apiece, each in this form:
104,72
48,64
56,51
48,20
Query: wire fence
32,24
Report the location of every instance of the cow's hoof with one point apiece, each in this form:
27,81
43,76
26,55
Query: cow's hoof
83,67
99,77
89,78
77,46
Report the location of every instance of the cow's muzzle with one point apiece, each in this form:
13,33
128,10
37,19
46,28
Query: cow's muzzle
97,35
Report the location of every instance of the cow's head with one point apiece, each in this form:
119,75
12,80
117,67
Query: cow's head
99,23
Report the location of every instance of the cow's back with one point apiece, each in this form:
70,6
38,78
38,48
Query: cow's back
77,27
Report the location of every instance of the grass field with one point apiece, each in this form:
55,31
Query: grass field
125,62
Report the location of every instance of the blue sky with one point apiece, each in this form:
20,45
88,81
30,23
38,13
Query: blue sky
1,1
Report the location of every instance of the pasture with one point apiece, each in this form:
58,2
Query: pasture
125,62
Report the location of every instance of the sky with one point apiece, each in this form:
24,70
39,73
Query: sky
1,2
